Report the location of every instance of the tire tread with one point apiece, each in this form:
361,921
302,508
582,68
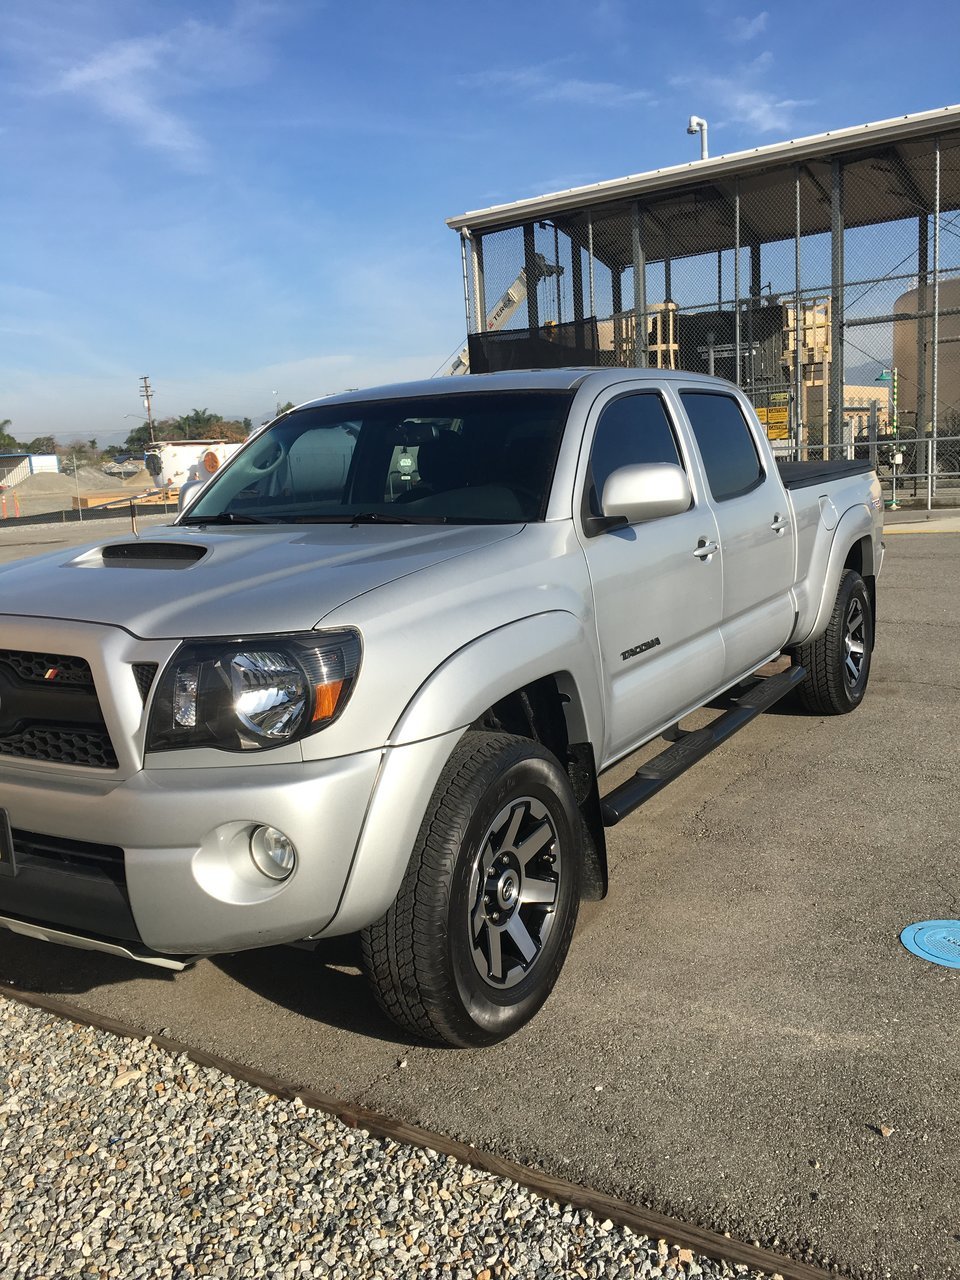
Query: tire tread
398,948
824,691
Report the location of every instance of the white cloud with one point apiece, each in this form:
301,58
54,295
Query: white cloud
745,29
545,84
120,80
143,83
762,111
741,98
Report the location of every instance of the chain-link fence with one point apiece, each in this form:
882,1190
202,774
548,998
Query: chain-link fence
828,288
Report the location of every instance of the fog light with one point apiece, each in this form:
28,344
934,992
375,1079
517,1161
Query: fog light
273,853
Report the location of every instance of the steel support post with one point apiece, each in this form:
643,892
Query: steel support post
593,296
576,276
530,268
923,268
556,263
719,279
756,291
479,287
616,288
464,241
640,353
736,281
835,392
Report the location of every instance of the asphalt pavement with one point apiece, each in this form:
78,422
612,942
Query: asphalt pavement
738,1036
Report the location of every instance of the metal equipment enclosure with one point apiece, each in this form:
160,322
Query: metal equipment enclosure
822,275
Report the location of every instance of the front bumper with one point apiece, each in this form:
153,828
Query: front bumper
182,881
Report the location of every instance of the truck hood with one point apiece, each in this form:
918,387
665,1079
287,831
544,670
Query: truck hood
182,582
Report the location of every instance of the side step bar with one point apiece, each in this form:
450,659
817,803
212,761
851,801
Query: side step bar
689,747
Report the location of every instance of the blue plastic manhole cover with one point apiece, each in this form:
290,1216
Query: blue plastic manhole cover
934,940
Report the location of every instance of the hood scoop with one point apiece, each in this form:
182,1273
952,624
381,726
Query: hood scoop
142,555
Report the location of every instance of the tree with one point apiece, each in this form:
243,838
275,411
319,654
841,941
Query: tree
199,420
199,424
41,444
7,441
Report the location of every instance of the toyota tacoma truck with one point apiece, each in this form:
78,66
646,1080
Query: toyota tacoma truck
369,679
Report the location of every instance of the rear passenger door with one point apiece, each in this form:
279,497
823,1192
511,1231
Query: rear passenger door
757,537
656,585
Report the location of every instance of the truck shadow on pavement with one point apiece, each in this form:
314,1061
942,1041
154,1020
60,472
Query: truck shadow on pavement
324,985
40,967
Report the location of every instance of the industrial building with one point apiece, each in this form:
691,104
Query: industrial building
821,274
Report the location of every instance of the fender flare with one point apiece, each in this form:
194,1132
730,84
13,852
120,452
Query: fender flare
855,525
500,662
433,722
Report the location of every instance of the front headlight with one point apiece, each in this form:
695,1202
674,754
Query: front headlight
240,695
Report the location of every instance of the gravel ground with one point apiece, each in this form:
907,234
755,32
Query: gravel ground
118,1158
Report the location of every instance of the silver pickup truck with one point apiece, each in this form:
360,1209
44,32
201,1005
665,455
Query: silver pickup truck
369,679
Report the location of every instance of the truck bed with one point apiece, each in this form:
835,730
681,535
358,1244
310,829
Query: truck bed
800,475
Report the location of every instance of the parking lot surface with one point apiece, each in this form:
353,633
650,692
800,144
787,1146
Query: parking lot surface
738,1037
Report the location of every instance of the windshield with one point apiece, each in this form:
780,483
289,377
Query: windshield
481,457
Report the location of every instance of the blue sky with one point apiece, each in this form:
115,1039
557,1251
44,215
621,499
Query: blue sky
245,200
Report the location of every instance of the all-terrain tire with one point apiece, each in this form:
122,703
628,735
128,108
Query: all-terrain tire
838,662
478,933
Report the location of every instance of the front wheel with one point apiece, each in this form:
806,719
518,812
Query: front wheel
477,935
838,662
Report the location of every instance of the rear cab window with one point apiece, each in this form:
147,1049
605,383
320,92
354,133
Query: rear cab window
727,447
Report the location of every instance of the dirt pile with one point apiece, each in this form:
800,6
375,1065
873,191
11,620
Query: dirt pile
88,480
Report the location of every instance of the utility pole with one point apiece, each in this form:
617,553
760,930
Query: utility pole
147,392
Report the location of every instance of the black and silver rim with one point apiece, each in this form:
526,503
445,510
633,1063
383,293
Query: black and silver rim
854,643
516,883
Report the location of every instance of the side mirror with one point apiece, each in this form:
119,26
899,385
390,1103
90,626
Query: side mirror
646,491
188,489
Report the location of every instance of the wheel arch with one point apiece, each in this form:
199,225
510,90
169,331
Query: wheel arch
851,547
546,713
862,560
537,677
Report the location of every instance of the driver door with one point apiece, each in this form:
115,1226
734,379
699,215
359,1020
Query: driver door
657,586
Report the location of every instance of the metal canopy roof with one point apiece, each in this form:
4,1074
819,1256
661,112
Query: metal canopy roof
688,209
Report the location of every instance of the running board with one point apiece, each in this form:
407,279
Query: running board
689,747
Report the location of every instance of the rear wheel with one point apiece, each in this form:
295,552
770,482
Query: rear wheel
475,940
838,663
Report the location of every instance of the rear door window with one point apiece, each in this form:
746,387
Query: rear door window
726,443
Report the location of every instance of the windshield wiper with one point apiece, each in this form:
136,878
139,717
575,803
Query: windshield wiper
385,517
225,517
369,517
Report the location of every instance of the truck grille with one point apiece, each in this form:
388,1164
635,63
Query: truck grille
35,668
144,673
49,710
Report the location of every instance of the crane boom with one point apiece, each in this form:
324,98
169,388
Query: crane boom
507,304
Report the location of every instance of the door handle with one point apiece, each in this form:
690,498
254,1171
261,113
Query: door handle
779,524
705,549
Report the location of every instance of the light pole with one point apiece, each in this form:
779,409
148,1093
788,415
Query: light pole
697,124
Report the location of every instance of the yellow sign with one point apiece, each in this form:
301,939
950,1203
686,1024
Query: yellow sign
776,421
